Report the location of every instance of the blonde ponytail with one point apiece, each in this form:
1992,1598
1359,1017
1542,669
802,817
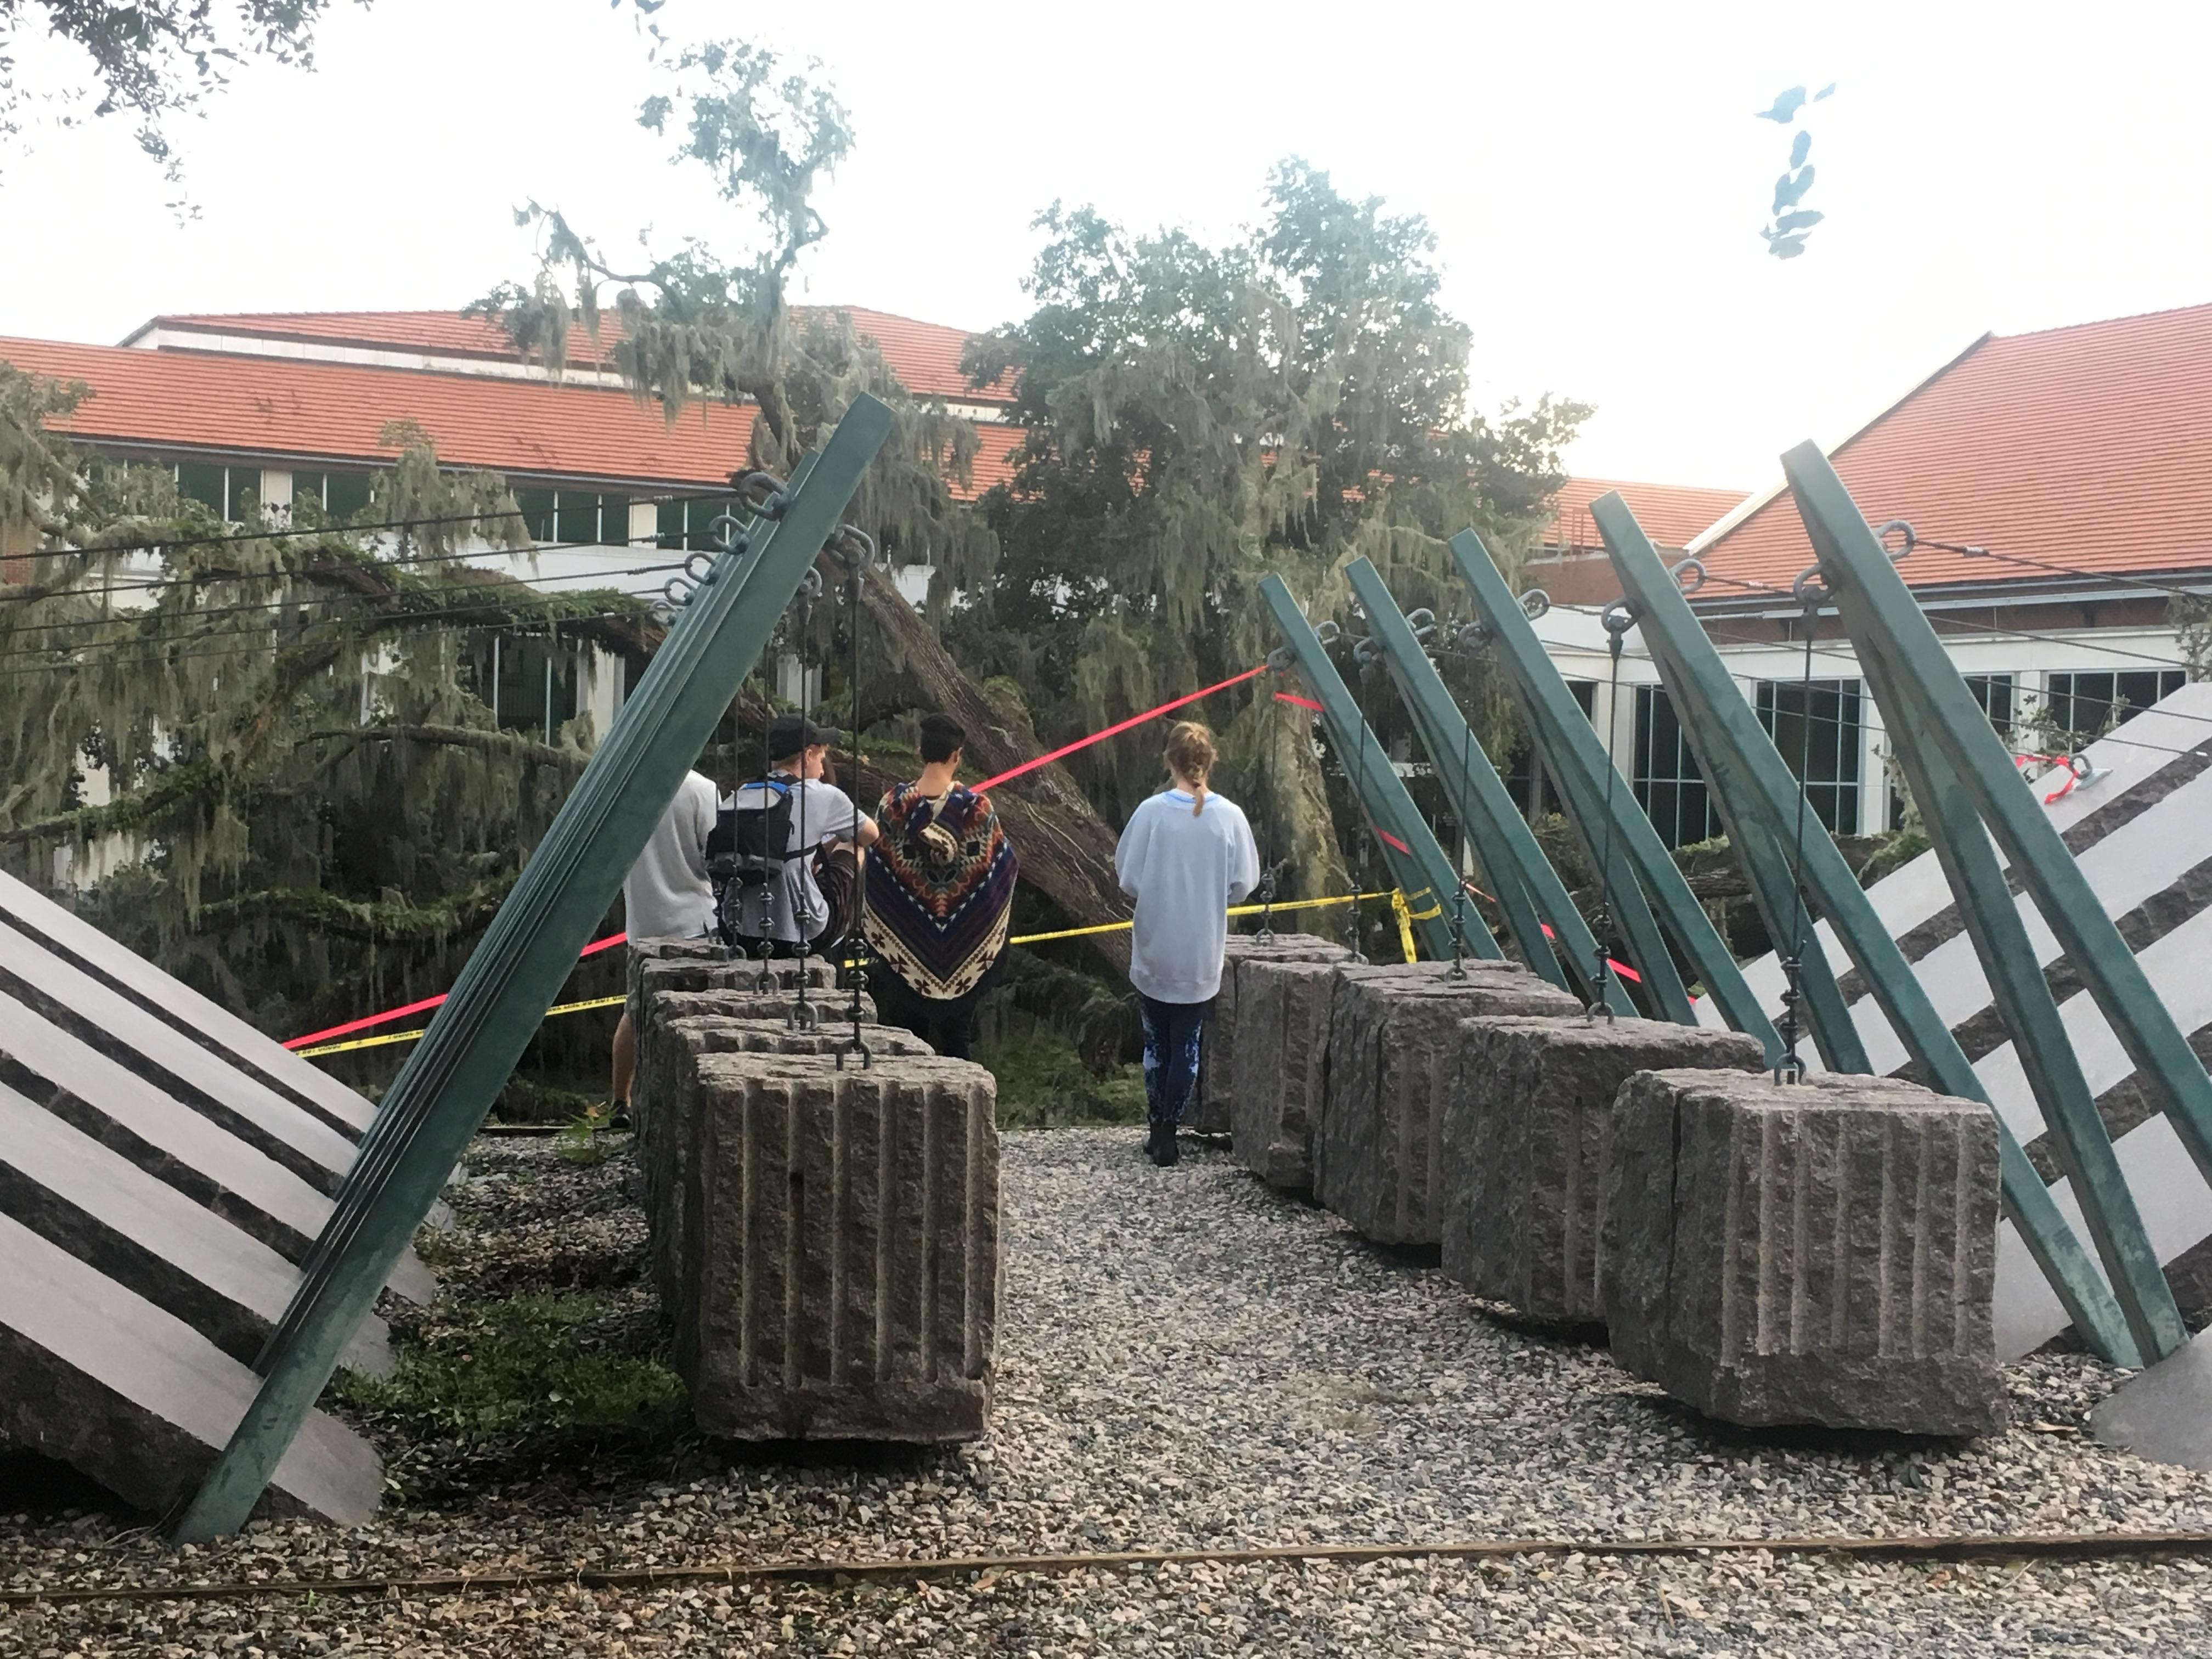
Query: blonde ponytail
1190,756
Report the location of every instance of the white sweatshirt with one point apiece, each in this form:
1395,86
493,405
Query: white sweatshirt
1184,871
667,893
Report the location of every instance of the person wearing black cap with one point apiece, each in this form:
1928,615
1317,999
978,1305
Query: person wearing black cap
809,897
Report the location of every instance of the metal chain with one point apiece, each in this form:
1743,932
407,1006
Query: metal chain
803,1016
1618,619
1267,734
861,552
1791,1067
1328,633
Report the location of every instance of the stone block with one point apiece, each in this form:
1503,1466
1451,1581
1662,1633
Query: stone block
1823,1252
1281,1067
1393,1039
1212,1109
1528,1123
99,1377
683,1025
838,1276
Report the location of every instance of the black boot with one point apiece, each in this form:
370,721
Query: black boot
1166,1153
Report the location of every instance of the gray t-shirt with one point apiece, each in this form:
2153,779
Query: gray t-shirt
819,811
667,894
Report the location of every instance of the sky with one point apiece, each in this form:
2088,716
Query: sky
1594,174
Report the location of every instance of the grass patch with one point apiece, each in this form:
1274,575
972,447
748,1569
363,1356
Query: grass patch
1043,1083
525,1378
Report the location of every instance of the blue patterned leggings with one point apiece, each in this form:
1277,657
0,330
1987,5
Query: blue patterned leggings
1172,1032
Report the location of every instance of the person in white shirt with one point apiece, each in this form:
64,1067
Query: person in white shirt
667,895
808,898
1186,856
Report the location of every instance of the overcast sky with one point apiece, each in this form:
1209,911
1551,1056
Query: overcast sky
1593,172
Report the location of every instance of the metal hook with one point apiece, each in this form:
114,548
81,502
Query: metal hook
1808,590
1422,621
854,547
1366,651
677,591
1279,660
728,531
1535,603
1689,575
766,492
1911,541
700,568
1617,618
1326,631
1471,640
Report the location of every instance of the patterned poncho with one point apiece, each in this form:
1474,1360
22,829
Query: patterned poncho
940,889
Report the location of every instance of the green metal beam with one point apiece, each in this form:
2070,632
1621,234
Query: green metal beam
1424,874
1967,788
1643,873
1537,907
442,1094
1759,795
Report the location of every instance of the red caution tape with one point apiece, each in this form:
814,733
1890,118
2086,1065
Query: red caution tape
1116,729
1303,702
423,1006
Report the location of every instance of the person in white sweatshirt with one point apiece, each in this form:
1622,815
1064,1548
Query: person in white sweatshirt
1186,856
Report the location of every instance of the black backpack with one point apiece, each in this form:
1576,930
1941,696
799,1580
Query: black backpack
746,847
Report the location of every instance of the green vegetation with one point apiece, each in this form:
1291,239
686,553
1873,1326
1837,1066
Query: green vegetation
527,1377
1044,1083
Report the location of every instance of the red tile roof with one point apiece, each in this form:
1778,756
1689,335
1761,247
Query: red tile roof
926,356
1670,514
2089,446
324,411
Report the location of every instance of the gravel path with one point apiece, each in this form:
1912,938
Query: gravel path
1188,1360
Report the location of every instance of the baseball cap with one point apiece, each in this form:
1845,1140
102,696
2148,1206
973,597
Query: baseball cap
789,733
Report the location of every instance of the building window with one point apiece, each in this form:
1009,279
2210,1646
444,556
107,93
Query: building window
342,496
1532,792
529,686
1668,785
2085,704
687,525
1994,692
576,517
1820,722
223,488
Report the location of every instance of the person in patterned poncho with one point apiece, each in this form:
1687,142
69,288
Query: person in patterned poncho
941,885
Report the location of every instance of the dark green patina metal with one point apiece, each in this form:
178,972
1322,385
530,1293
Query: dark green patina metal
440,1097
1424,874
1758,797
1535,901
1968,790
1642,873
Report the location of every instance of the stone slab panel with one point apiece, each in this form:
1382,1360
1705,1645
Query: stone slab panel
100,1378
1393,1043
842,1274
150,1238
1528,1127
169,999
1282,1067
198,1155
1212,1109
1820,1252
2165,1412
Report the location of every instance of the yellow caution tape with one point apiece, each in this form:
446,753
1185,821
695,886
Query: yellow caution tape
1398,900
1405,915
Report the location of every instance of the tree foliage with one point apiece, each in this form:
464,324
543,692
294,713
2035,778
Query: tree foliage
267,750
1202,416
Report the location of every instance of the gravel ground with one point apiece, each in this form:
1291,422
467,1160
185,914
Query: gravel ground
1187,1360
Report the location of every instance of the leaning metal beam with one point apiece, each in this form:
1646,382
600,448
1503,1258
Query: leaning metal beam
1642,868
1424,875
1537,907
1758,796
1968,789
440,1097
